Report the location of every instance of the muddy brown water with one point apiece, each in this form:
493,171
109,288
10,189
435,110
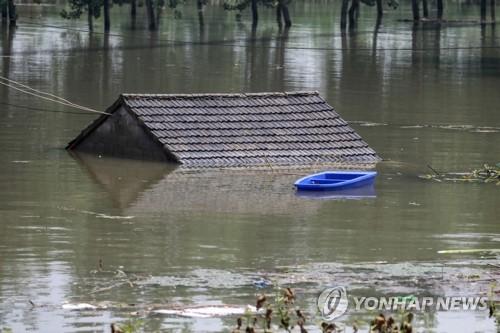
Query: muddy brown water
417,96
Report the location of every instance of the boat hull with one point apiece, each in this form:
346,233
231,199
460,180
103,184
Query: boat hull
335,180
356,193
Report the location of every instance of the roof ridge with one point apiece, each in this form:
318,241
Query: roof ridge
221,95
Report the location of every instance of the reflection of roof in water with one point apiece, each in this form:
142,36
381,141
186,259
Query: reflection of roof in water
160,187
123,179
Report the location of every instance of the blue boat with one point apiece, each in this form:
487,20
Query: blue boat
335,180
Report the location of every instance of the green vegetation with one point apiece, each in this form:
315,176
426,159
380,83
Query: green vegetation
282,12
78,7
130,326
283,314
349,14
381,324
282,311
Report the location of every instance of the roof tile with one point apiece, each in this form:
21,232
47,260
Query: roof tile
249,129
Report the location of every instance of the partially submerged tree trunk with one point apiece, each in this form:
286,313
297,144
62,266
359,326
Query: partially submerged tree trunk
353,13
158,14
133,9
425,9
12,13
439,10
343,14
199,4
286,14
107,23
377,26
5,10
151,15
483,11
415,10
282,11
278,15
380,10
90,15
255,13
492,11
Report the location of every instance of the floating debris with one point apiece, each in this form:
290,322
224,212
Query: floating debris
79,306
371,124
262,283
468,128
465,251
98,215
486,174
208,311
114,217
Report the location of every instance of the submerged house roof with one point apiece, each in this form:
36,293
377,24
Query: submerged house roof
211,130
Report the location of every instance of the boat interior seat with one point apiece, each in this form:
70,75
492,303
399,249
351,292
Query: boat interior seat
326,181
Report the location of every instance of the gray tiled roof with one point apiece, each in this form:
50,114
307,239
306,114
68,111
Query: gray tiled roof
249,129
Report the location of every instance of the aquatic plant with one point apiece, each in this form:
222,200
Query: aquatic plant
281,310
381,324
493,306
286,316
130,326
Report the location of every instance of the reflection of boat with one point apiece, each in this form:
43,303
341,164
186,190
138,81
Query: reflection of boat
335,180
357,193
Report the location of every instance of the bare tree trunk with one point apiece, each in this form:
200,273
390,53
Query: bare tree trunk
286,14
380,10
5,11
158,14
439,10
492,11
199,5
107,23
151,15
12,13
415,10
483,11
255,13
133,9
353,13
90,15
343,14
278,15
425,9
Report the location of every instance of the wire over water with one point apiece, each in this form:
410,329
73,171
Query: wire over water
35,109
44,95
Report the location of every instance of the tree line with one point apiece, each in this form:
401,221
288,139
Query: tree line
349,12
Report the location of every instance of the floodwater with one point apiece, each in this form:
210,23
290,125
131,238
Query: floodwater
77,229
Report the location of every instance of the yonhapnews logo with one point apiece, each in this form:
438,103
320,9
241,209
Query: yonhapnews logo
333,303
